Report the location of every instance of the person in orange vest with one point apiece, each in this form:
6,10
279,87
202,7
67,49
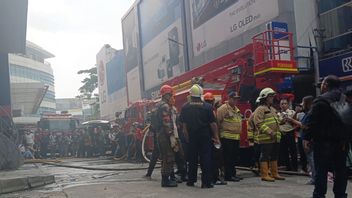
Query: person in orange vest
268,135
229,120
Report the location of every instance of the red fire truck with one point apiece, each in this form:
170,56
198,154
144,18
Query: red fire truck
266,62
62,123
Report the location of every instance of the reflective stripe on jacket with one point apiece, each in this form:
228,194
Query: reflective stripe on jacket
229,121
266,121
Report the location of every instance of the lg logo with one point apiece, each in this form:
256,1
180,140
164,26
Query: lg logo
347,64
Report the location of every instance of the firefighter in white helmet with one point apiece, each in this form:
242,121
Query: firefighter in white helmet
200,129
267,135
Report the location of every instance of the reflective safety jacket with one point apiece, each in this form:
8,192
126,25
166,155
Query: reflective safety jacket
229,121
251,130
266,122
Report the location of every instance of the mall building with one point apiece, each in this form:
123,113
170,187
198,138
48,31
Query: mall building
336,39
164,39
32,84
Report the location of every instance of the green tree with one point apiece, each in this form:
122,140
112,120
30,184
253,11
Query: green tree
90,83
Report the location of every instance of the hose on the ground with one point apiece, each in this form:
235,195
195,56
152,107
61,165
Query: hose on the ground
57,163
95,168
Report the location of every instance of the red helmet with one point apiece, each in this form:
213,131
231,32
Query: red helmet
208,96
166,89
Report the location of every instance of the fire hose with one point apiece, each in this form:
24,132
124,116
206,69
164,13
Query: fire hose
58,163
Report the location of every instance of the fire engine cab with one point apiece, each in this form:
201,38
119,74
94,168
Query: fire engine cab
57,123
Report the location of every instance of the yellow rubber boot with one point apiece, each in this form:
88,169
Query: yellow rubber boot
264,168
274,171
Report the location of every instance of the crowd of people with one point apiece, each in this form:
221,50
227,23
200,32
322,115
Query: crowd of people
316,134
92,141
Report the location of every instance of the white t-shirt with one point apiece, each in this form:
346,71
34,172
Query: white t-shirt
29,138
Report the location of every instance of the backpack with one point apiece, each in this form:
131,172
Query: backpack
339,106
337,109
155,122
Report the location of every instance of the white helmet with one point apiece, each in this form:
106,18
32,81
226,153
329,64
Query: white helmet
196,91
265,93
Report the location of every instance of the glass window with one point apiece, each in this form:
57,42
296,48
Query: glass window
338,28
325,5
338,43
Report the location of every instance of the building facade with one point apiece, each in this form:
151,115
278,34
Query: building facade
164,39
335,34
111,82
32,82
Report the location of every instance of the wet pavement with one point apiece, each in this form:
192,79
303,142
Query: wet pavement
72,182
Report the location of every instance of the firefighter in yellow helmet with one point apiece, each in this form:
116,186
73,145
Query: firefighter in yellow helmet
267,135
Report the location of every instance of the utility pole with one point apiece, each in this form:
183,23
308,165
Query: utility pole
319,35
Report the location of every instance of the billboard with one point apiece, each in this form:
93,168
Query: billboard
162,40
216,21
340,66
130,39
111,82
115,73
133,85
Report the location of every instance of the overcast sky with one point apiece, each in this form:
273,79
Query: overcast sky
74,31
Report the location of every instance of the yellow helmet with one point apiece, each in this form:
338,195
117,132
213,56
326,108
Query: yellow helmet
265,93
196,91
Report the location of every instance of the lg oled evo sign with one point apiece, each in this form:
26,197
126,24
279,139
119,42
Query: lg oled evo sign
216,21
340,66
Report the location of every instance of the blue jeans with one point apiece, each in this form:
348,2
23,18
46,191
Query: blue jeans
310,160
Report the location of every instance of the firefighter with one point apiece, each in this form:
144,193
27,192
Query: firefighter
165,136
230,125
200,129
268,135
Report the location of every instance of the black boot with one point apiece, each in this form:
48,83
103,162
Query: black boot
166,182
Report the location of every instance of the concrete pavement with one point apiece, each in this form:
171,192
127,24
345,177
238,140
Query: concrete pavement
26,177
86,183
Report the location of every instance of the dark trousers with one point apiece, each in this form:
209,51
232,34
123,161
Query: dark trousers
288,150
154,158
330,156
200,147
231,152
44,150
302,154
218,163
181,161
269,152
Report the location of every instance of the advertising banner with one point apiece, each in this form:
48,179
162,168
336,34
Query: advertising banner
115,73
116,84
130,39
216,21
111,82
133,85
340,66
162,41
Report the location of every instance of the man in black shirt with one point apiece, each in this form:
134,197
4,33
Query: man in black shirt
200,129
324,128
